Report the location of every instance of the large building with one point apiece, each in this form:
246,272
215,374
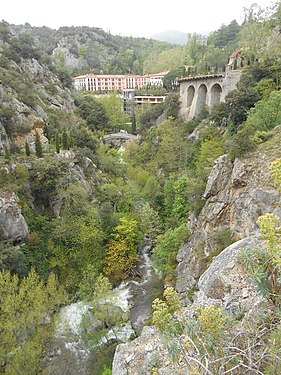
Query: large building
119,82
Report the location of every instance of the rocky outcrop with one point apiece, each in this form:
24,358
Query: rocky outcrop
37,125
12,223
4,140
237,193
147,352
226,282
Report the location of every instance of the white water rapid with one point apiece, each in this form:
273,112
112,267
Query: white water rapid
70,354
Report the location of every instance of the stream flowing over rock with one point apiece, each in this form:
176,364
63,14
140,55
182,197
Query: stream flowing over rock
69,354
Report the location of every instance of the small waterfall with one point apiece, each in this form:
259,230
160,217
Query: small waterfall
70,354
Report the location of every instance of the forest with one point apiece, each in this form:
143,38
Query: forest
89,208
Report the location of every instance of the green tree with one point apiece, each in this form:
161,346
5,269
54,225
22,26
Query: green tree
65,143
169,195
172,105
134,124
167,247
38,146
77,242
163,315
94,113
57,142
180,204
209,151
113,105
24,305
149,221
121,254
27,149
7,152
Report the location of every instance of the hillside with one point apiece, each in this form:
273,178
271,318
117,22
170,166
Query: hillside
87,48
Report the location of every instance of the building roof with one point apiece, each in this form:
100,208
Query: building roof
92,75
236,53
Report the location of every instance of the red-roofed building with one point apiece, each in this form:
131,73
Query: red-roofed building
119,82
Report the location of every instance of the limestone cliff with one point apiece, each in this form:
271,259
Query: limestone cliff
30,94
237,193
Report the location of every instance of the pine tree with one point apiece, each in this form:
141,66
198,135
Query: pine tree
27,149
57,142
38,146
7,154
134,124
65,140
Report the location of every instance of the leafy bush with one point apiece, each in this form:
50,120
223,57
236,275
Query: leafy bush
167,246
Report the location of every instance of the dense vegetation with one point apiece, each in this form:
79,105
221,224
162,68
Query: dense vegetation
88,215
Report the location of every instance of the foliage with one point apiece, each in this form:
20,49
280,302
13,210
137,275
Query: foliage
180,204
265,115
27,149
275,169
211,321
172,105
149,221
225,35
274,348
121,253
210,150
158,61
167,246
12,258
24,304
117,119
149,115
94,113
48,176
240,100
38,146
77,243
163,313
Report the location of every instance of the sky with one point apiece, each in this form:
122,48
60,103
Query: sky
143,18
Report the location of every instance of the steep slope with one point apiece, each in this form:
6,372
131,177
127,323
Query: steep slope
236,195
210,272
90,48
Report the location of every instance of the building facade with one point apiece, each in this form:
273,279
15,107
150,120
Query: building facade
118,82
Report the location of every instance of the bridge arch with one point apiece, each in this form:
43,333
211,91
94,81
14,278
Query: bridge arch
190,95
201,99
215,94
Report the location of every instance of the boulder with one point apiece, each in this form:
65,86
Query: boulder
147,352
226,282
12,223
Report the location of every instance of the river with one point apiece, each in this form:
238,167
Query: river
70,354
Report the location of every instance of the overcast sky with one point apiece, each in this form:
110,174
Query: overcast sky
128,17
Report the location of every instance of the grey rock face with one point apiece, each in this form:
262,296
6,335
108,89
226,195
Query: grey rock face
219,177
236,195
4,140
143,354
226,282
12,223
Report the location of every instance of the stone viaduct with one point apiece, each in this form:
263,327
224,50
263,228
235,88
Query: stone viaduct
206,90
